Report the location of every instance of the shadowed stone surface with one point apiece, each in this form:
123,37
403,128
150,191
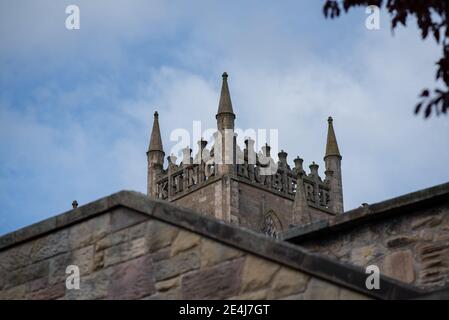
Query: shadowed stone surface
184,241
181,263
288,282
399,265
218,282
49,292
213,253
132,279
160,235
165,252
257,273
318,289
406,237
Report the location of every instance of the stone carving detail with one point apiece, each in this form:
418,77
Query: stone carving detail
271,225
284,182
182,178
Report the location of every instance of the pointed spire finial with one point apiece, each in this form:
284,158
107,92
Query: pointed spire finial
331,144
225,104
156,140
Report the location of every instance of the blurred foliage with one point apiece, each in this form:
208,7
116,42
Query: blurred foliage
432,19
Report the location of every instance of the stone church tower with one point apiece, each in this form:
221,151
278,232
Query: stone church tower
241,186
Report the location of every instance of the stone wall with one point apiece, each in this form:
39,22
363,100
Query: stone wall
412,247
242,203
204,200
127,255
254,203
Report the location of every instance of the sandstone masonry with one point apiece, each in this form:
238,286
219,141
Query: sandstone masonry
407,237
130,247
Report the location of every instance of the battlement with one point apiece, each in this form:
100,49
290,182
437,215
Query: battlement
179,179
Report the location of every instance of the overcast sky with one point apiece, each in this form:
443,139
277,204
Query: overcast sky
76,106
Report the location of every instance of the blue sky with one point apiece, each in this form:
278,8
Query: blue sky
76,106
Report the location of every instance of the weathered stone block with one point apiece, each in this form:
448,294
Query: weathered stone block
120,236
361,256
321,290
17,257
87,232
181,263
288,282
15,293
257,273
184,240
49,292
160,235
218,282
400,241
125,251
26,274
399,265
213,252
51,245
123,217
132,279
111,240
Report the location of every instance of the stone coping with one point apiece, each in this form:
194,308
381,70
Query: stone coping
278,251
362,215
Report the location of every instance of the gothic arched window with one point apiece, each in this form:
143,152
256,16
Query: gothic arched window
271,225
